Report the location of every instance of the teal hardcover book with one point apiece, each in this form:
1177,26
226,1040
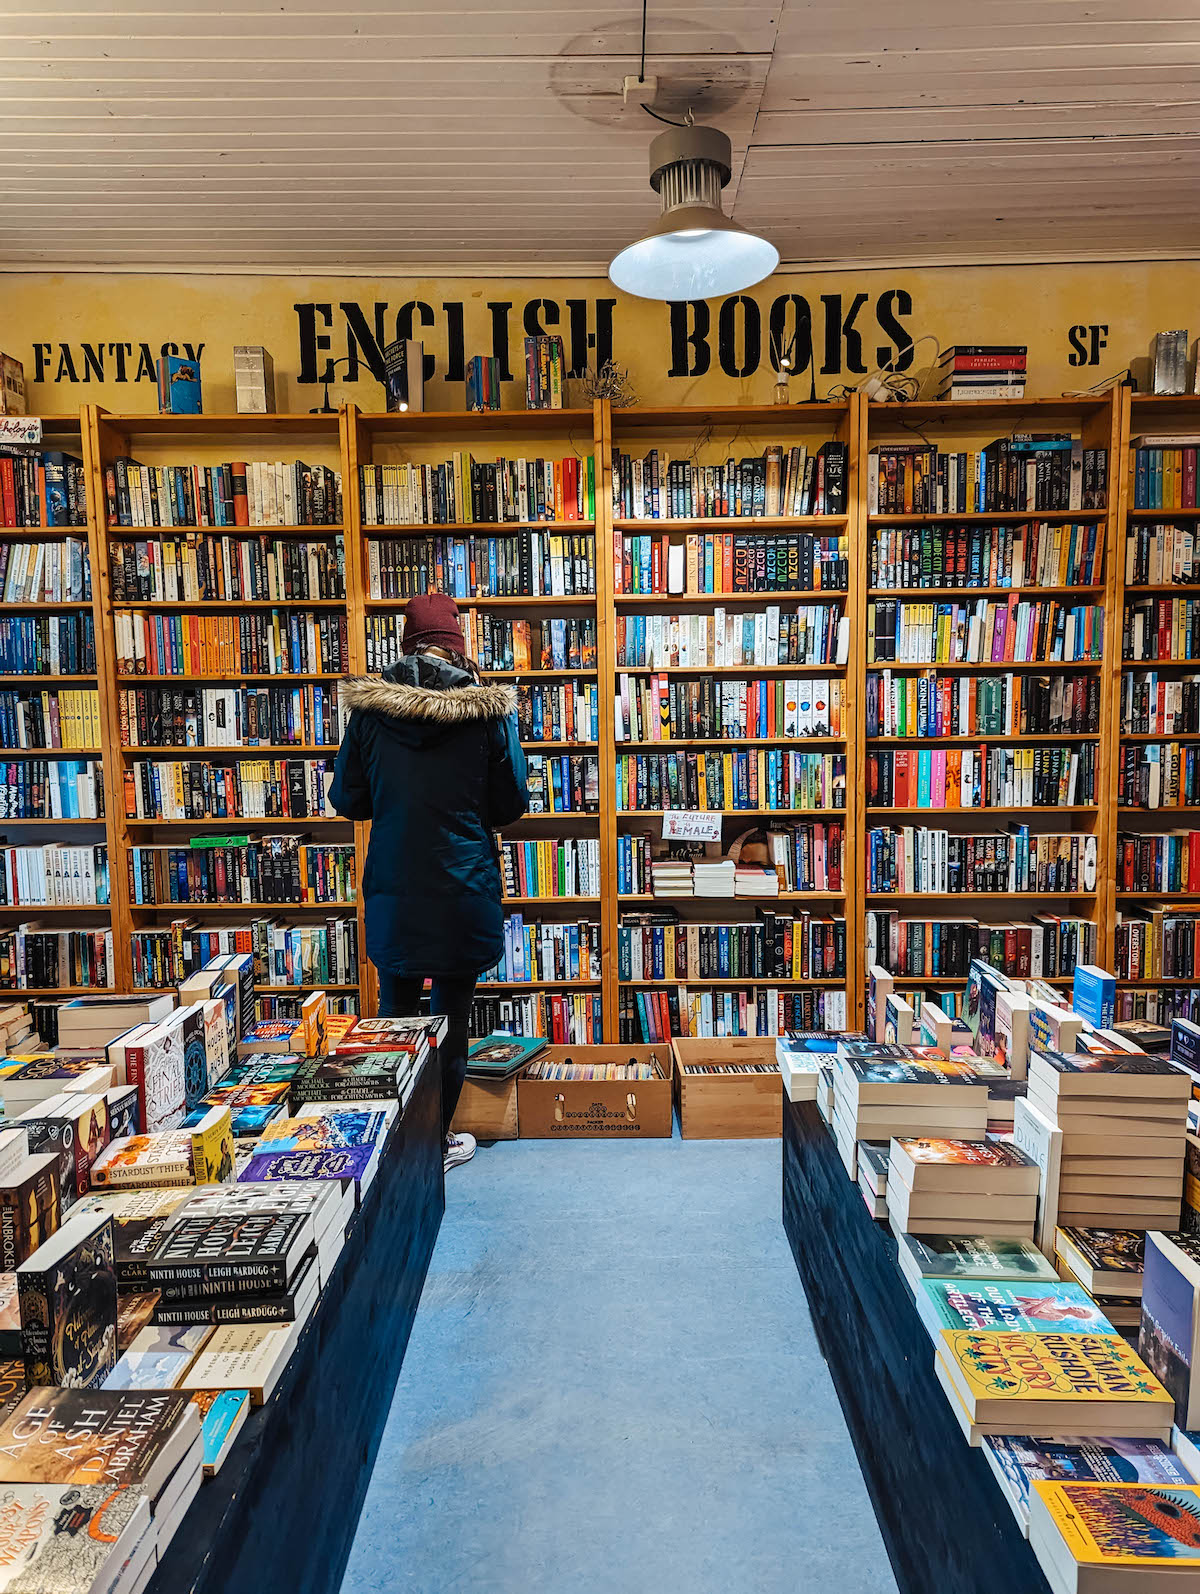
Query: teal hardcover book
499,1056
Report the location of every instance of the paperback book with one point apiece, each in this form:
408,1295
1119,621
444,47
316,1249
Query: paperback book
67,1294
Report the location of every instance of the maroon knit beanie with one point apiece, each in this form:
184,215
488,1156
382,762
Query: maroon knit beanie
431,621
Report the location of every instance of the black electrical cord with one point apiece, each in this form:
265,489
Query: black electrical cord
642,75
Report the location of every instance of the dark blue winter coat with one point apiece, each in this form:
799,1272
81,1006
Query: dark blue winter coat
434,761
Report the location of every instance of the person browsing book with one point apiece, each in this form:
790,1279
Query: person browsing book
433,758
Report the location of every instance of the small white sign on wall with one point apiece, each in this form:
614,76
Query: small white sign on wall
680,826
20,429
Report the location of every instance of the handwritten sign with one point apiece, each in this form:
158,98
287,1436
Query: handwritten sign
679,826
20,429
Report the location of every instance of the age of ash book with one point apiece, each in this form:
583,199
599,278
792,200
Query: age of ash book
246,1251
1098,1531
67,1295
54,1540
114,1437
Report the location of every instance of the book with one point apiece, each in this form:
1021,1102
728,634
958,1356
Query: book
1047,1383
158,1357
1101,1536
330,1131
249,1356
178,385
30,1209
242,1252
366,1075
153,1159
222,1413
212,1147
139,1218
1019,1461
1094,995
416,1035
67,1296
1105,1261
964,1257
501,1056
1033,1305
115,1437
1041,1141
58,1540
10,1316
134,1311
290,1305
353,1162
1169,1337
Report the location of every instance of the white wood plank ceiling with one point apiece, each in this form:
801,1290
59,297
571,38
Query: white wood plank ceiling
458,135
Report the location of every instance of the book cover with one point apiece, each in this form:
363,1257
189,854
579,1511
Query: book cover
158,1357
1171,1321
499,1056
156,1066
113,1437
258,1251
228,1303
964,1153
329,1132
975,1257
1003,1367
246,1356
10,1316
67,1294
351,1162
1041,1141
1096,1065
1021,1461
378,1075
213,1147
1121,1524
1028,1307
153,1159
222,1413
54,1540
1110,1250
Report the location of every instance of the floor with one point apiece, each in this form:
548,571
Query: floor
613,1387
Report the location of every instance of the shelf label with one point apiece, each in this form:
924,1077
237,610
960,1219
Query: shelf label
20,429
681,826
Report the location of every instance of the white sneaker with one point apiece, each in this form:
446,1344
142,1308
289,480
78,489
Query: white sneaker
459,1148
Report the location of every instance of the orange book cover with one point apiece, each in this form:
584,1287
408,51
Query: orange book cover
727,561
1010,630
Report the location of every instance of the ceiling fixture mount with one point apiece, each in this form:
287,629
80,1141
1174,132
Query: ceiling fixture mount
694,250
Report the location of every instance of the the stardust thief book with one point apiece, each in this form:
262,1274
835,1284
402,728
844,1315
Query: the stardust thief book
1120,1525
67,1294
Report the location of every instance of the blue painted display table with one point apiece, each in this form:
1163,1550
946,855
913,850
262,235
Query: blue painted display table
281,1513
947,1526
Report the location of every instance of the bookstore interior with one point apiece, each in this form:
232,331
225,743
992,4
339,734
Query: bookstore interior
829,597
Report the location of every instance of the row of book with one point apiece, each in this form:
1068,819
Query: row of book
66,719
777,946
1162,473
657,709
1158,705
768,778
1040,554
545,372
724,562
1048,946
568,783
464,490
811,634
41,487
179,789
258,642
36,958
985,631
554,643
1010,475
1161,628
545,950
255,492
164,957
151,716
1158,775
51,788
914,860
982,777
521,564
558,711
933,705
564,1018
53,874
780,481
797,857
1169,861
197,569
268,869
48,644
45,572
1157,554
1157,942
562,867
647,1016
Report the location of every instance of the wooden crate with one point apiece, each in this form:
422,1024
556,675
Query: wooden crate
728,1106
607,1109
487,1109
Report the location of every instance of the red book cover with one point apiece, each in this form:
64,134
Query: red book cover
241,507
1188,496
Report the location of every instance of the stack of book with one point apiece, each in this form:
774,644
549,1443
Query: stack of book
752,881
801,1056
969,1258
981,371
671,877
883,1091
714,877
873,1175
1109,1264
984,1187
328,1202
1019,1463
1091,1537
1123,1120
235,1267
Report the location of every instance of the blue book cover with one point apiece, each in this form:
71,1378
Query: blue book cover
1094,995
178,385
1018,1460
222,1413
1032,1306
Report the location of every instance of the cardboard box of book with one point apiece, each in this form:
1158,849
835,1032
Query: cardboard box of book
487,1107
609,1092
728,1089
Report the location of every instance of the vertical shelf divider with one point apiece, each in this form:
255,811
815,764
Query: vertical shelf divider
607,752
355,445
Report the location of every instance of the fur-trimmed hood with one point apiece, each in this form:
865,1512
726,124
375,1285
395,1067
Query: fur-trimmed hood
436,705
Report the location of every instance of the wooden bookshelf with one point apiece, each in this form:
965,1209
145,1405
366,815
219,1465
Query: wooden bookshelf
708,434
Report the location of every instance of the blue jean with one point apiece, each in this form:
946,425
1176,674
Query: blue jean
400,997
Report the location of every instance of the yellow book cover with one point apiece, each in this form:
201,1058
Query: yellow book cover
1125,1524
213,1148
1053,1367
314,1024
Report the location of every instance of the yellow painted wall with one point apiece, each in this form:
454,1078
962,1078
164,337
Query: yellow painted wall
93,338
